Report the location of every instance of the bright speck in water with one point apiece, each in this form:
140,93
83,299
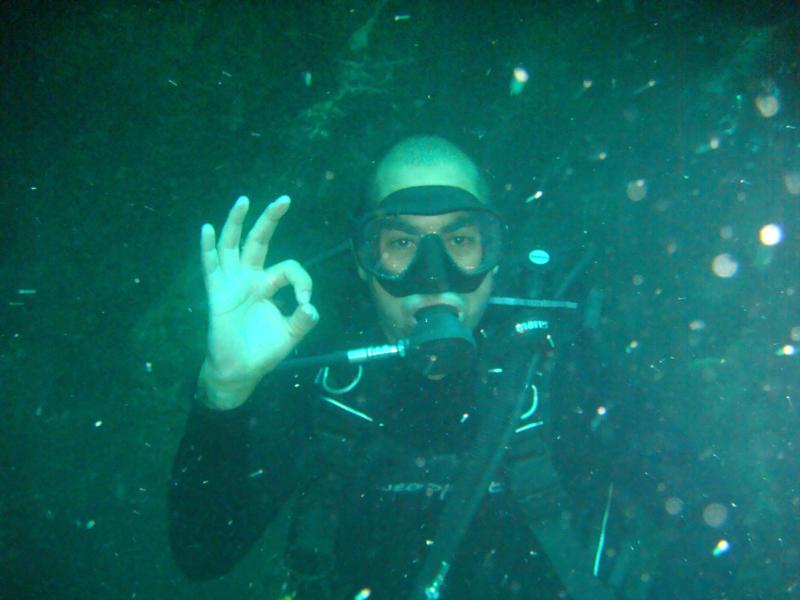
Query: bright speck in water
519,78
697,325
725,266
770,235
521,75
636,190
721,548
768,105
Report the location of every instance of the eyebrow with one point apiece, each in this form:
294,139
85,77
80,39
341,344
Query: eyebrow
455,225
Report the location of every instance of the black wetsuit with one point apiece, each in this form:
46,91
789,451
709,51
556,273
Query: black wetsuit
385,469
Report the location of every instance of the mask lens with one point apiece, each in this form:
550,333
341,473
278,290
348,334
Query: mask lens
388,245
397,248
465,246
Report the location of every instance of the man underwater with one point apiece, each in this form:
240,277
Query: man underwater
373,456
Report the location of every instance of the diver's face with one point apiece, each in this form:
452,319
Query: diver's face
396,314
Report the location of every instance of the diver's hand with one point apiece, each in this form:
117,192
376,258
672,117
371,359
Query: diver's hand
247,334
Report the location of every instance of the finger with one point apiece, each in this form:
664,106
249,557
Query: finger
208,251
288,272
256,245
228,248
302,320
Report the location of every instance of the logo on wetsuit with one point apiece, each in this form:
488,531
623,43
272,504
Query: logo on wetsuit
431,488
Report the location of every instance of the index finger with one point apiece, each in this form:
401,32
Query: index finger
256,245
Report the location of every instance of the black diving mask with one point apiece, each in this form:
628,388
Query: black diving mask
429,240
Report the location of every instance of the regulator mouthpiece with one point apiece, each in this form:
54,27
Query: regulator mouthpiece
440,344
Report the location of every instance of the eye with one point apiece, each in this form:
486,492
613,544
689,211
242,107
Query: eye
462,240
400,243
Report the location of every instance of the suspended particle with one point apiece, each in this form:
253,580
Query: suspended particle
673,506
650,84
715,515
794,333
721,548
713,143
587,83
786,350
637,280
519,78
363,594
535,196
724,265
697,325
770,235
726,232
636,190
768,105
601,410
792,182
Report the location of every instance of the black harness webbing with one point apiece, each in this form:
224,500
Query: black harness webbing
475,476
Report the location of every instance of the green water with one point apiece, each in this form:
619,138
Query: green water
666,134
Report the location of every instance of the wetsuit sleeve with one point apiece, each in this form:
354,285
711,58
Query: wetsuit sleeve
232,473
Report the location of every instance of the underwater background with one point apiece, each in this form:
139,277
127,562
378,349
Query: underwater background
665,135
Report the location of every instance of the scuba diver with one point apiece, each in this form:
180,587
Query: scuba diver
417,464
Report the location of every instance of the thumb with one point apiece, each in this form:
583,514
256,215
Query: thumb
302,320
